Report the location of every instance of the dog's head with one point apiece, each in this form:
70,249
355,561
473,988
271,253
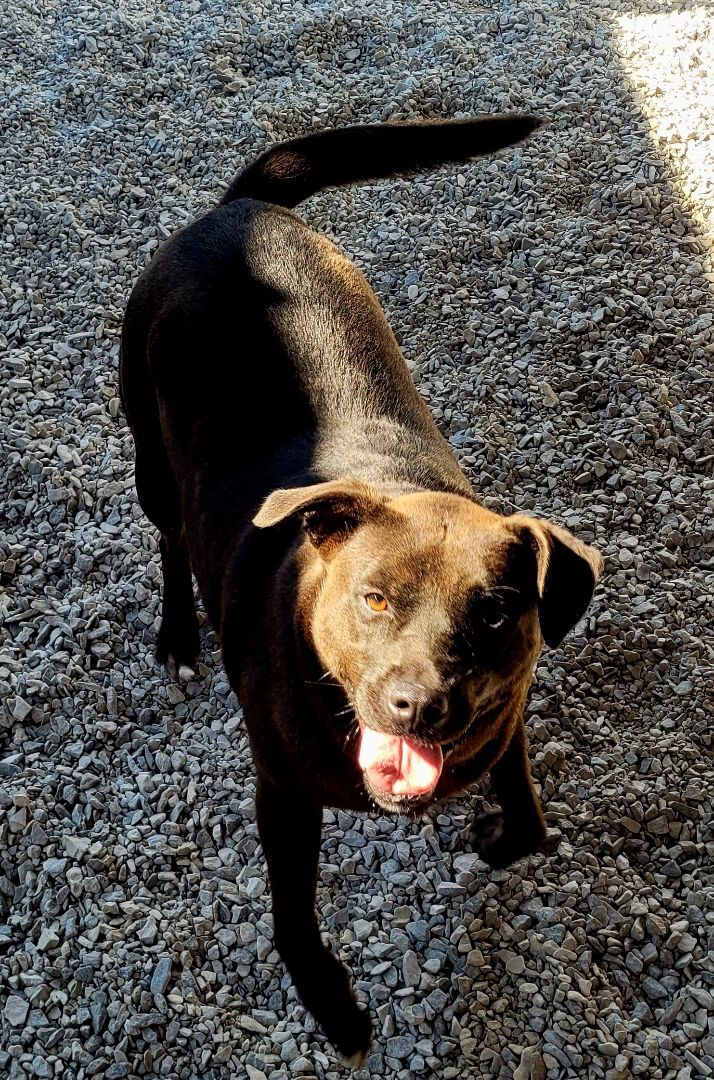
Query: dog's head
430,611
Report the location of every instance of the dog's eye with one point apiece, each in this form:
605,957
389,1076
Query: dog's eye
376,601
494,617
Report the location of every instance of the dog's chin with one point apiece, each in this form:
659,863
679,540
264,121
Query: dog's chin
407,805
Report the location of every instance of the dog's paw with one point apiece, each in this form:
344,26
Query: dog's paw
177,649
354,1040
500,845
328,994
347,1026
178,672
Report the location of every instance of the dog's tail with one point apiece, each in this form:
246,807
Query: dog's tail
292,171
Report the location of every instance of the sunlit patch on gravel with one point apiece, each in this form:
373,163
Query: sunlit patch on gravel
670,63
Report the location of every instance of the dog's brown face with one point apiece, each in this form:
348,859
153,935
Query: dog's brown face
431,612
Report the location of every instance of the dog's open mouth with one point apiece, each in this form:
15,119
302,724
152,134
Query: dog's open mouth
395,765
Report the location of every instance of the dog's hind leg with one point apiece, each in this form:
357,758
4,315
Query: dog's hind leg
178,641
159,498
290,828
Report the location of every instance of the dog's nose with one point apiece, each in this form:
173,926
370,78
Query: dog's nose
412,704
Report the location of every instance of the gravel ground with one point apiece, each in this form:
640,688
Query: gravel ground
556,307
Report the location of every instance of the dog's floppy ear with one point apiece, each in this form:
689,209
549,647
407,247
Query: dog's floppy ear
567,571
330,511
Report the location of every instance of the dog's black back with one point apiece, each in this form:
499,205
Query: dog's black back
196,310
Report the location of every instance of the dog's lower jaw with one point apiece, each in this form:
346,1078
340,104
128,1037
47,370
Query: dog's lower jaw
410,806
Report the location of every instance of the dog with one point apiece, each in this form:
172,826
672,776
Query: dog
379,626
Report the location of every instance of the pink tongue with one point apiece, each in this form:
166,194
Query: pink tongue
399,766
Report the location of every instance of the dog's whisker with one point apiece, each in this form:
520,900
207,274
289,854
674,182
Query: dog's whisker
351,734
321,681
354,728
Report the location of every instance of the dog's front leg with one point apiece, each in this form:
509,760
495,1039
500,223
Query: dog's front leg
290,829
518,829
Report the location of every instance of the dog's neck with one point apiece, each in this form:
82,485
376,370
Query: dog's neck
393,458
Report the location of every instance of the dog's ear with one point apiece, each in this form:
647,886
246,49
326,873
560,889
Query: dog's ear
567,571
330,511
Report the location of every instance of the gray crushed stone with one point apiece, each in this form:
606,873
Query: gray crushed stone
555,305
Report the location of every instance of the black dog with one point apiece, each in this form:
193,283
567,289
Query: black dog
379,627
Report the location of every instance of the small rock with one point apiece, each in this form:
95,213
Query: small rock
100,1017
76,846
255,1074
21,710
148,931
17,821
16,1010
516,965
410,969
48,939
468,863
362,929
531,1065
400,1046
654,989
264,947
160,978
